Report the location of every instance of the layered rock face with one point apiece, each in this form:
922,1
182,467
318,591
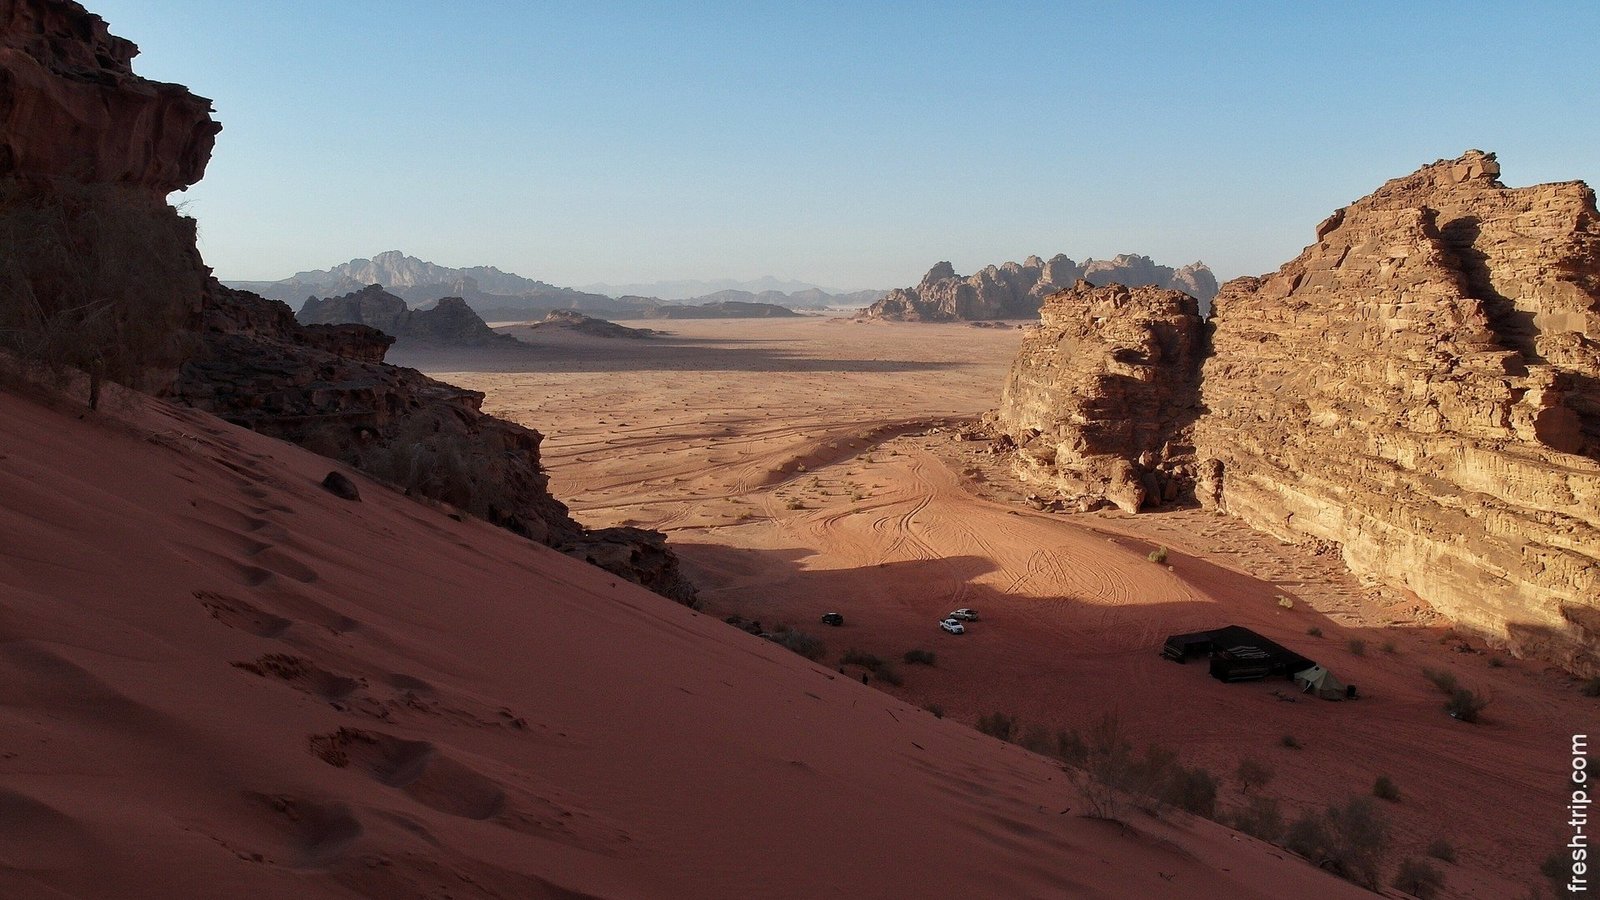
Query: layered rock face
1419,388
72,108
1017,290
88,153
449,323
1104,391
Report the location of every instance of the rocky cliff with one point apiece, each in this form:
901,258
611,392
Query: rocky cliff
1017,290
1419,390
1104,392
72,108
101,262
449,323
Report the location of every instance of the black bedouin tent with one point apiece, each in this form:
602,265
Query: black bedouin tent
1237,654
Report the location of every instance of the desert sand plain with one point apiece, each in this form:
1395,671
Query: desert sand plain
802,466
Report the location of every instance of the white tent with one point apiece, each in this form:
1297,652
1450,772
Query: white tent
1318,680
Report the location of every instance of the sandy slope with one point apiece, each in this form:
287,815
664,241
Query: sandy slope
217,680
787,462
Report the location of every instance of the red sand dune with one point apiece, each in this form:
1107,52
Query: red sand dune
218,680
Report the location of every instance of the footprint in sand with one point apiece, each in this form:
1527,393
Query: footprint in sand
313,833
416,768
240,614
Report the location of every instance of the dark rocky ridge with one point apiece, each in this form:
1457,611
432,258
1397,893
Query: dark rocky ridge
449,323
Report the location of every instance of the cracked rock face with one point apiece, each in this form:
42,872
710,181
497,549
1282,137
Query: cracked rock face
1102,395
1421,386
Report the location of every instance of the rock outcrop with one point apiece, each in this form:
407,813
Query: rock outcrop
72,108
88,153
1104,392
1419,390
1017,290
449,323
570,320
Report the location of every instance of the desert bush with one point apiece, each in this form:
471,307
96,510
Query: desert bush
95,279
936,709
809,646
1591,688
1038,739
1389,647
1419,879
998,725
918,657
1466,705
1193,790
1497,662
1314,631
854,657
1442,849
1557,867
1444,681
1358,646
1384,788
1158,555
1289,741
1252,773
1348,840
888,674
1071,747
1260,818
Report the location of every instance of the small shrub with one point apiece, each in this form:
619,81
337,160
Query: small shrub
1037,739
1348,840
1158,555
888,674
1252,773
1260,818
1389,647
936,709
1314,631
1497,662
1192,790
1442,849
794,504
998,725
1466,705
854,657
1591,688
1071,747
1358,647
1444,681
1289,741
1558,868
1419,879
806,645
919,657
1385,789
1286,602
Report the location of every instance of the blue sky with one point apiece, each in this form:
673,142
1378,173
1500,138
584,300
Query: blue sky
847,144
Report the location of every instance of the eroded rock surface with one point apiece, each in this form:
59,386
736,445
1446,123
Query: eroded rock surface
1419,388
1017,290
72,108
1103,393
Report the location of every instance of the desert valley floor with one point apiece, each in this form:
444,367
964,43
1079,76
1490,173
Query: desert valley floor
809,465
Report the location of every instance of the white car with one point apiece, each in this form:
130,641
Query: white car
953,626
965,614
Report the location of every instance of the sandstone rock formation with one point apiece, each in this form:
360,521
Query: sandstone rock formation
71,107
1104,391
87,156
1420,387
1017,290
450,323
1419,390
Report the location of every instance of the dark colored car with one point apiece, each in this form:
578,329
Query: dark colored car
833,618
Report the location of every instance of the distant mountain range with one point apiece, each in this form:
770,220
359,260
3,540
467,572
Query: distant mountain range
693,289
499,296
